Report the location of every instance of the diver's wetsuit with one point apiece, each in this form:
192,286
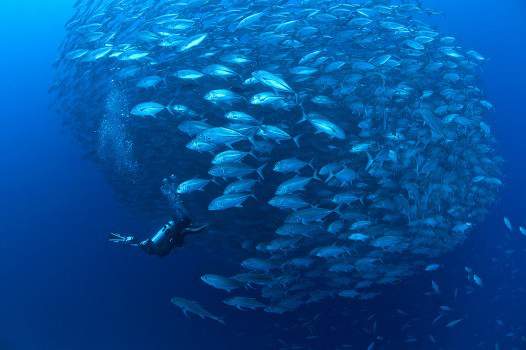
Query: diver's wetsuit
170,236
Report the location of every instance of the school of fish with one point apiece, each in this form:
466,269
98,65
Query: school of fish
343,143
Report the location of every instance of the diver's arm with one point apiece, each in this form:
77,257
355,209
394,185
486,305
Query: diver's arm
122,239
195,229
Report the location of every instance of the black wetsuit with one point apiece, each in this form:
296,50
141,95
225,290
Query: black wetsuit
170,236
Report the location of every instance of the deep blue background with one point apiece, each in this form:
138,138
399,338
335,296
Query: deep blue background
63,287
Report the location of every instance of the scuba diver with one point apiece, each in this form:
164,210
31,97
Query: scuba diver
171,235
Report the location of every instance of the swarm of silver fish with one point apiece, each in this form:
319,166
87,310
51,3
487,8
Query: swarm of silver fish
343,145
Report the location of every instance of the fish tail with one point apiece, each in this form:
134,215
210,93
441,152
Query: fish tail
297,140
252,141
260,171
170,106
315,176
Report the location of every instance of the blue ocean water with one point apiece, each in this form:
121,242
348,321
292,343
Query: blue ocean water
64,287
